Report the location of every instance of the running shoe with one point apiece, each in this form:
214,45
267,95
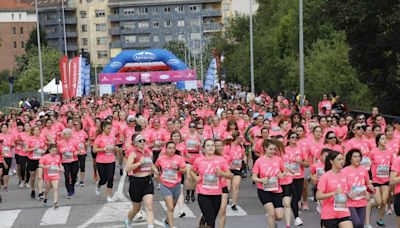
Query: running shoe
44,202
367,226
33,194
109,200
97,190
121,172
21,185
81,184
166,224
27,185
298,222
305,206
318,208
234,208
182,214
187,200
158,187
40,196
380,223
193,198
139,215
55,205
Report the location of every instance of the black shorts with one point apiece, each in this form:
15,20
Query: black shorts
286,190
139,187
397,204
33,165
378,185
94,155
225,190
156,153
333,223
236,172
119,146
17,158
8,162
270,197
370,174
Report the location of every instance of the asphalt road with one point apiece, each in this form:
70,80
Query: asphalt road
88,210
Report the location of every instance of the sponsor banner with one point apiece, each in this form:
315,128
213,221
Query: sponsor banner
147,77
64,76
74,69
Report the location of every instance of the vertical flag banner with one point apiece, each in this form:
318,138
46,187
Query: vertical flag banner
74,69
64,76
211,75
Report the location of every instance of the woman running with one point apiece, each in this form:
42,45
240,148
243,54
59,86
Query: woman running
104,147
80,137
207,172
219,150
316,171
358,183
7,143
51,165
332,190
395,182
381,161
266,172
140,167
172,165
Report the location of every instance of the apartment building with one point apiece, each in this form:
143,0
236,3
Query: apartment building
17,19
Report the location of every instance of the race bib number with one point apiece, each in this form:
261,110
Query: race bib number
236,164
146,165
37,153
320,172
271,185
382,171
6,151
210,181
358,192
340,202
81,146
294,169
53,170
170,176
68,155
366,162
109,150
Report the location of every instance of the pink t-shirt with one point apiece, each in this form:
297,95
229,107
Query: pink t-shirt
270,168
39,144
335,206
170,175
235,154
24,137
393,146
357,183
291,154
396,168
68,150
54,163
209,183
314,150
193,145
108,142
318,168
336,147
157,136
380,167
363,147
80,137
7,145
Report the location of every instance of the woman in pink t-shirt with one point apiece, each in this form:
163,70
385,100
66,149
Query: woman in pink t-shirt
356,141
358,183
381,161
267,171
51,165
81,138
332,191
208,171
332,142
172,166
316,171
395,182
7,143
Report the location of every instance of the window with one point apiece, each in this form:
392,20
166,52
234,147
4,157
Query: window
155,10
156,24
21,30
14,30
51,30
168,23
130,39
12,16
194,23
22,44
167,9
85,41
100,13
143,24
101,40
83,14
129,25
181,23
15,44
143,10
144,39
168,38
101,54
129,11
194,8
101,27
156,38
84,28
116,11
181,37
195,36
180,9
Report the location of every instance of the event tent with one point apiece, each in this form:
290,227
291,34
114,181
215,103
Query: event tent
52,87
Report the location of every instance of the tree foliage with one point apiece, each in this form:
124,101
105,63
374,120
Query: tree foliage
32,41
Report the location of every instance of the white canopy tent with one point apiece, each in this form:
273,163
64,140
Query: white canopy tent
52,88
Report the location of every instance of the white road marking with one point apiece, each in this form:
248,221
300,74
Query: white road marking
57,216
239,212
186,209
119,195
7,218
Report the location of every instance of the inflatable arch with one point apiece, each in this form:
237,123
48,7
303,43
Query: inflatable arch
144,56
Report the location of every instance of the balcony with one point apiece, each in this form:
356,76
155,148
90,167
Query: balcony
121,17
124,45
211,13
71,21
45,22
119,31
71,34
212,27
73,47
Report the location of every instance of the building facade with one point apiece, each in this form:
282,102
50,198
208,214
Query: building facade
17,19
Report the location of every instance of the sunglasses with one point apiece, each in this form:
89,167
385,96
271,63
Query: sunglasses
192,127
332,137
200,128
142,141
358,128
294,137
328,121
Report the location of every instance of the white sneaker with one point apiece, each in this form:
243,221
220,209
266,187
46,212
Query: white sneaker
298,221
109,200
27,185
22,185
318,208
158,187
139,215
97,190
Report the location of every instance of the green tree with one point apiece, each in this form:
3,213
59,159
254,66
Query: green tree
178,48
32,41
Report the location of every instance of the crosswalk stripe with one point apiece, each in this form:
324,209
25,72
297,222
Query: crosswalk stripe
186,209
54,216
7,218
113,212
239,212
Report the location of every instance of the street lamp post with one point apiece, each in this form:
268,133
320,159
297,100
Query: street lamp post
301,52
251,47
40,54
65,33
201,51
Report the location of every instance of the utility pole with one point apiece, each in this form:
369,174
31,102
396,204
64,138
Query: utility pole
251,48
301,52
40,54
65,33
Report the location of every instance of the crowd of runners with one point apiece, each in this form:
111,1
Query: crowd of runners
197,146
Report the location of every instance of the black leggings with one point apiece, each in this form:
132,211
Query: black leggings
23,165
297,189
70,174
209,206
82,160
106,173
8,162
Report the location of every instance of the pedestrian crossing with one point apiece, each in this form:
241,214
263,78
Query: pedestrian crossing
115,212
